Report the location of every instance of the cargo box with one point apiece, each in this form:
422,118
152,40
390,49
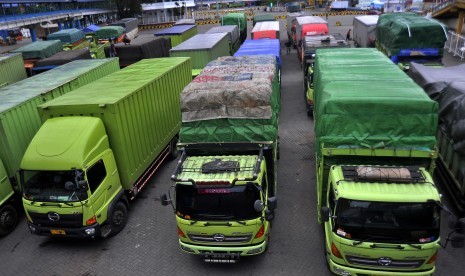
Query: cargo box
202,49
140,110
61,58
11,69
233,34
19,119
269,29
178,34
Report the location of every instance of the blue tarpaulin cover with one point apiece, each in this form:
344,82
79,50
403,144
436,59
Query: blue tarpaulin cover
91,29
261,47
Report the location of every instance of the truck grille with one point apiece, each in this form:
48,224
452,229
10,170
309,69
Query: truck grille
222,239
70,221
384,262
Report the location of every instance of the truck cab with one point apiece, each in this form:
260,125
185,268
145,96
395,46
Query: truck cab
74,193
381,220
223,205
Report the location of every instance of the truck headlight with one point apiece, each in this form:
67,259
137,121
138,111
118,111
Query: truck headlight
90,231
342,272
255,251
32,228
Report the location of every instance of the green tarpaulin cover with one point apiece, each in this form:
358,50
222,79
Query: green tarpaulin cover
238,19
109,32
67,36
40,49
399,31
366,106
234,99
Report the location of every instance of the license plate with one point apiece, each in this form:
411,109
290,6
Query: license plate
58,232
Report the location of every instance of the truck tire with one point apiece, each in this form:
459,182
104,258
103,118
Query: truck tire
8,219
118,218
173,148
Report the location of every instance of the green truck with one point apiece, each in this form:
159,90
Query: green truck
406,37
375,153
72,39
226,179
96,151
19,121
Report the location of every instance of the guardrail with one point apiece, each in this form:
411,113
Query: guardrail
455,44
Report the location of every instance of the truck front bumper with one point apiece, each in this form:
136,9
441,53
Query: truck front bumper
84,232
223,252
352,271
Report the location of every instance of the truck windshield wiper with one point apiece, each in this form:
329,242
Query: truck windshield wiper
385,237
56,204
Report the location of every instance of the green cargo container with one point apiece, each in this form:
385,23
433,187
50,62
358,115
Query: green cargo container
395,111
40,49
263,18
202,49
238,19
11,69
19,120
151,87
178,34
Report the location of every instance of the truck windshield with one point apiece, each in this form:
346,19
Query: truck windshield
236,203
396,222
49,186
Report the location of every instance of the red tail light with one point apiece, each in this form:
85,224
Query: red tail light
260,232
91,221
433,258
180,233
335,251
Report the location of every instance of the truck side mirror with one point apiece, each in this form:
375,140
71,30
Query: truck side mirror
272,203
164,199
324,214
269,215
258,205
457,241
82,185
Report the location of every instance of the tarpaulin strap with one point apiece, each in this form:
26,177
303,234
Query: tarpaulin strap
406,24
442,25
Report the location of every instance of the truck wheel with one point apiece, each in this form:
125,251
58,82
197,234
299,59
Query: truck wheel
118,218
173,149
8,219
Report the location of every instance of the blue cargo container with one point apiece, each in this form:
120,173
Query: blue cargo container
261,47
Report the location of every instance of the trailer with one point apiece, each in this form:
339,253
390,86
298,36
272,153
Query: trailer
364,34
11,69
233,34
178,33
267,29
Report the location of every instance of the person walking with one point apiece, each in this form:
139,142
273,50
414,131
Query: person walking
112,48
288,46
348,35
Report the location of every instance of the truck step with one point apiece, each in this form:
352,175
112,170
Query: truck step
105,231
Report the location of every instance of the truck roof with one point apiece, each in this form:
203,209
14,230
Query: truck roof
395,184
175,30
218,168
77,142
302,20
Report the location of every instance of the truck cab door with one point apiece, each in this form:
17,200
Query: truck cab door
96,173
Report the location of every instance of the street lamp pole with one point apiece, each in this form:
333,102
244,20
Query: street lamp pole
217,9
